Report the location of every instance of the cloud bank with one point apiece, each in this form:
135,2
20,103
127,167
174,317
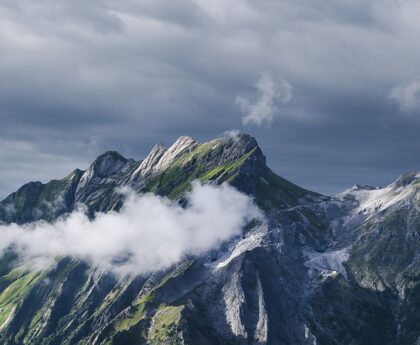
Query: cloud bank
262,108
149,233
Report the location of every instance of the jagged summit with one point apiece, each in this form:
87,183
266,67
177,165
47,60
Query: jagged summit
237,160
147,165
181,145
161,157
362,187
407,179
370,200
218,150
107,164
403,182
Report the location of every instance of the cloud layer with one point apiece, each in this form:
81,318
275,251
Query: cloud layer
82,77
149,233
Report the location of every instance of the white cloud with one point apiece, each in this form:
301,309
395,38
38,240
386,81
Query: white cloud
232,134
263,107
149,233
407,96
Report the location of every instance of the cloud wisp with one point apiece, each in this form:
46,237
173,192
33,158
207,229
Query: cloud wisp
407,97
262,108
149,233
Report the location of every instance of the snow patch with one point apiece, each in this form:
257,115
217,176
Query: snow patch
370,201
244,245
329,262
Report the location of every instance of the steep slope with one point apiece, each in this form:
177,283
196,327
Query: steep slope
378,302
318,270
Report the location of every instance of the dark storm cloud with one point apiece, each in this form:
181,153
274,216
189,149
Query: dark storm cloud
79,77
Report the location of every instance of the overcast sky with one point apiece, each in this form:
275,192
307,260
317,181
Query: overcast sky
330,88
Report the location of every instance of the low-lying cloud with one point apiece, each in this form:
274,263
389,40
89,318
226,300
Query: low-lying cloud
149,233
271,93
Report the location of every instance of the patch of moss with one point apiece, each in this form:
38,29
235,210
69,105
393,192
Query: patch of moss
136,315
165,324
108,300
16,291
177,179
225,170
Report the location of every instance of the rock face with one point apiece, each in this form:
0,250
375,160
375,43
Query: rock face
320,270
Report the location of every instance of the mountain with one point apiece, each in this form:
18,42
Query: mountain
340,269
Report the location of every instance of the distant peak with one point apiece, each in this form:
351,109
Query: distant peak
107,164
111,155
182,142
158,147
161,157
181,145
362,187
234,135
407,179
241,141
146,166
185,137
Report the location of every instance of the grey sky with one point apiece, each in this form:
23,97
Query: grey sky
81,77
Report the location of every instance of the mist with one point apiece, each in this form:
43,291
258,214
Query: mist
149,233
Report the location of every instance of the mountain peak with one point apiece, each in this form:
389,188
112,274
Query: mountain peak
237,145
236,135
146,166
357,186
158,147
107,164
406,179
182,144
183,139
161,158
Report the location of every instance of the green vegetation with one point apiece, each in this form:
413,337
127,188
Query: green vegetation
224,171
38,201
192,166
141,308
21,283
108,300
165,324
137,314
